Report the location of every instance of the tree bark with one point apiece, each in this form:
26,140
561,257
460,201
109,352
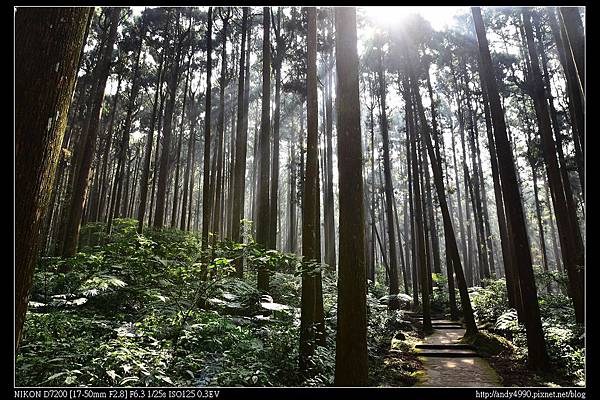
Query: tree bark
241,146
263,222
573,254
351,361
88,140
537,356
206,195
163,172
48,43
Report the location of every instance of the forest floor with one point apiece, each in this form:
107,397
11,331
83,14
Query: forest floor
448,363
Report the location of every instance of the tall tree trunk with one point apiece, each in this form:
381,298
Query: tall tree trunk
576,40
217,182
574,87
452,247
393,303
419,237
475,185
274,191
571,244
426,227
579,162
48,43
537,356
179,144
310,212
187,216
292,230
88,140
507,253
206,195
484,204
159,127
241,146
351,341
469,259
163,171
122,191
263,222
105,153
328,211
413,260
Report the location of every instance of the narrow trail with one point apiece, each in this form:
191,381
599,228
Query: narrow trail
449,363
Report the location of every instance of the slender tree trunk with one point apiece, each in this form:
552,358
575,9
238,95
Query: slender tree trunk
393,303
156,155
292,230
135,85
186,214
579,162
571,244
507,254
206,195
575,37
163,171
419,237
574,87
105,153
88,141
179,144
217,182
330,257
414,274
537,356
263,222
274,183
310,212
241,147
452,247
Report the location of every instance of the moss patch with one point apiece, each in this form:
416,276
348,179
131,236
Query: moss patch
488,344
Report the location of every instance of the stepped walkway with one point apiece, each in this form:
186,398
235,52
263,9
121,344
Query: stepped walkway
449,363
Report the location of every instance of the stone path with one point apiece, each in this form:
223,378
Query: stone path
449,363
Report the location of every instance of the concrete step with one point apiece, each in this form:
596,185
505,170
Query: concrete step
447,327
447,353
445,346
442,325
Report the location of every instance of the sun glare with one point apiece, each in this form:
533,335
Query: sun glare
438,16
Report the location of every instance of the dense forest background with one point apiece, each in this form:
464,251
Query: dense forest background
288,196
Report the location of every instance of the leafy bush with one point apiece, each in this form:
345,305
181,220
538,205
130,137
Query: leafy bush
285,288
564,338
490,301
129,311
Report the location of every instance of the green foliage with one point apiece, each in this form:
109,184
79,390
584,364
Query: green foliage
564,338
377,289
285,289
490,301
439,300
130,311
